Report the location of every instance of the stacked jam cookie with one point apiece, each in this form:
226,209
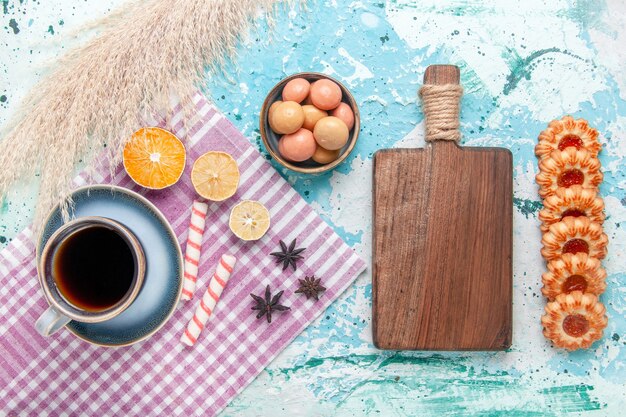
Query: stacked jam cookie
573,240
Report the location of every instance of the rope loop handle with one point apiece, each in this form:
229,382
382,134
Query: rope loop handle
441,105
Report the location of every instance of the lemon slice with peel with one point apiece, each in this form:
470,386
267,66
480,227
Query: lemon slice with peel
249,220
215,176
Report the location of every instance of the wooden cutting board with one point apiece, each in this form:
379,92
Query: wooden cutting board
442,244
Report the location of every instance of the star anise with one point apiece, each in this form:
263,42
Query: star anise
288,255
311,287
266,305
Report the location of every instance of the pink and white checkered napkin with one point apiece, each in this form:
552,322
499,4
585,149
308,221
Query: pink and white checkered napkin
62,375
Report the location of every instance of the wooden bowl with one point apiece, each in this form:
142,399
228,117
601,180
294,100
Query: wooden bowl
270,138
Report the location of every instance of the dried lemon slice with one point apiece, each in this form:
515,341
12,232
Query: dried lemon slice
154,158
249,220
215,176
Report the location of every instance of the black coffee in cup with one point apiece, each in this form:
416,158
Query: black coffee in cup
94,268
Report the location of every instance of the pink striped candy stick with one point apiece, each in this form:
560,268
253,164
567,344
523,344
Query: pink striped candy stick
192,252
209,300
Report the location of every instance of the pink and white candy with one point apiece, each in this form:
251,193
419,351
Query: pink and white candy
192,252
209,300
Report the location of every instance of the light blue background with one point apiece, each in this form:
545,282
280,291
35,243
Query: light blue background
523,64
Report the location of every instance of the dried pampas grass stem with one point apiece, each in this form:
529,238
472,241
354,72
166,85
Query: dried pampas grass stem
97,94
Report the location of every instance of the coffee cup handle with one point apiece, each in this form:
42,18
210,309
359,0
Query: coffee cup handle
51,321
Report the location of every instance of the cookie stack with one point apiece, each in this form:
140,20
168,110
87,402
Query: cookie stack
573,239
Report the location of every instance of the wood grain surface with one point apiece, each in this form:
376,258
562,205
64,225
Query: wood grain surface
442,245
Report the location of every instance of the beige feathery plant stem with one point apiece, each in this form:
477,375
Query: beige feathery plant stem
97,94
